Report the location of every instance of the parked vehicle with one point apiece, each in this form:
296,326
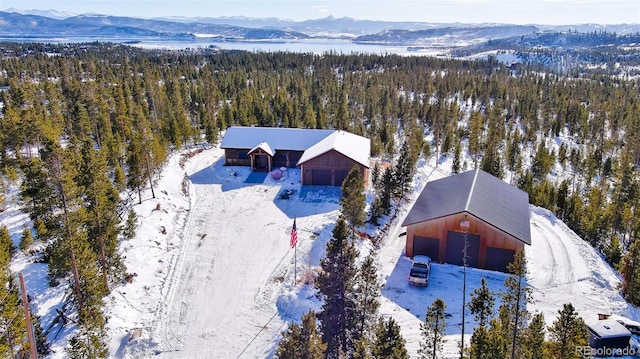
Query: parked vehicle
632,325
420,269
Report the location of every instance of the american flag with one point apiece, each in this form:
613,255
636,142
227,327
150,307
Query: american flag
294,235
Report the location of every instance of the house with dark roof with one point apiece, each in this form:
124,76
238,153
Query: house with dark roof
476,208
325,157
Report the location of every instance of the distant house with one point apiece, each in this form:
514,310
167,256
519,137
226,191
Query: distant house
325,157
492,214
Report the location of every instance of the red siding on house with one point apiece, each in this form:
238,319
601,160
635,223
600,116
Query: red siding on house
314,171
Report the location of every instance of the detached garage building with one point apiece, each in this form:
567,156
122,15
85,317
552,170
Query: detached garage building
325,157
493,214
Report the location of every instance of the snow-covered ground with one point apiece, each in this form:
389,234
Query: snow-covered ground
219,283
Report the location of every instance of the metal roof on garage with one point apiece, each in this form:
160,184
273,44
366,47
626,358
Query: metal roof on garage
293,139
353,146
480,194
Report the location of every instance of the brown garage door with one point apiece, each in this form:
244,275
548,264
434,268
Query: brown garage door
455,247
321,177
340,176
498,258
426,246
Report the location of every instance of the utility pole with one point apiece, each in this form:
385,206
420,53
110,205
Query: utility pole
464,225
27,315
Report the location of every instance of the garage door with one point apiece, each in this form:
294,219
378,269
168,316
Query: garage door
426,246
499,258
340,176
455,247
321,178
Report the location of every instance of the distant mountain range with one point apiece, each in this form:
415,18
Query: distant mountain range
51,24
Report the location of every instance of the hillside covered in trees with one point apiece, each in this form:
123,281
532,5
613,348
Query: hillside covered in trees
84,128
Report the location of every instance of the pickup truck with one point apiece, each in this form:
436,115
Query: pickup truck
420,269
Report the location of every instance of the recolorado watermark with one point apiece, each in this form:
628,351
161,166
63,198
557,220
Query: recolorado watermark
589,352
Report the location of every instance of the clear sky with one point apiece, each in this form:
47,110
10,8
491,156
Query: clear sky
551,12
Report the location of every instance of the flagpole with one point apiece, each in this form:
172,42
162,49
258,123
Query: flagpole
294,243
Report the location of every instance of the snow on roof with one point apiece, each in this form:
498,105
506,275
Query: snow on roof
353,146
313,142
419,258
265,147
480,194
624,320
608,328
295,139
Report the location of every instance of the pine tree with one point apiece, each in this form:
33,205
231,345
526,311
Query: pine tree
100,200
513,153
631,274
389,343
481,306
403,171
497,336
567,333
36,194
376,211
542,162
382,202
457,154
433,330
135,166
129,230
367,294
613,251
13,333
336,286
480,344
476,128
119,178
387,189
353,199
534,345
72,252
491,161
362,349
89,341
514,302
375,175
301,342
26,240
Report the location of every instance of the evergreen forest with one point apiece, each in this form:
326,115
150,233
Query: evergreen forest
85,128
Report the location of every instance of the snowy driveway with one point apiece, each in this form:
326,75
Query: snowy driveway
220,297
225,284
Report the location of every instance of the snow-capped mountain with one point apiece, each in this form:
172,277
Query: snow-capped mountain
52,23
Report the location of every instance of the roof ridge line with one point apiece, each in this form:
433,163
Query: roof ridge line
473,186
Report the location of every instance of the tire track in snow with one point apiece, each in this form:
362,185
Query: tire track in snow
560,276
161,327
549,274
239,300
